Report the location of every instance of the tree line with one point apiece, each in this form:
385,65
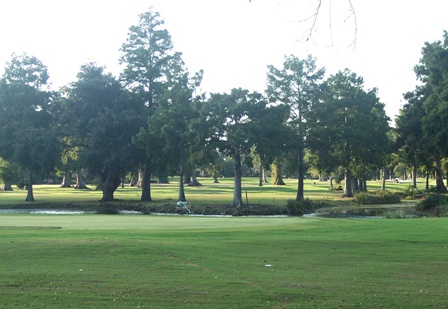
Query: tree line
152,120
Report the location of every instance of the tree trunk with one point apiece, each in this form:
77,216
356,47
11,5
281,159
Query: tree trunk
301,175
146,182
348,177
194,181
237,191
187,179
277,173
383,179
67,180
110,184
260,181
265,179
7,186
440,186
427,181
181,197
360,185
139,177
29,188
354,184
414,176
79,182
348,184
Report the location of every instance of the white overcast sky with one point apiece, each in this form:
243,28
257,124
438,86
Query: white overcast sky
233,41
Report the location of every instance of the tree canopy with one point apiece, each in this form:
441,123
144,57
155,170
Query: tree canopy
153,121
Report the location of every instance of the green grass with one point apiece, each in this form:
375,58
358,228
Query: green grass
208,199
209,193
101,261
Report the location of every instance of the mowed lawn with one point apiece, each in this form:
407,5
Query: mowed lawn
208,193
145,261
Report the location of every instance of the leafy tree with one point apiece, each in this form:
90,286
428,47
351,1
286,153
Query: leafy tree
146,55
340,134
237,119
297,86
414,148
172,121
28,134
432,71
8,173
103,123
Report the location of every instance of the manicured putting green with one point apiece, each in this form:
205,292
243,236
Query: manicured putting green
146,222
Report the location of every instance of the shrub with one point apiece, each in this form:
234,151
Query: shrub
412,193
21,184
390,197
376,197
364,198
299,208
108,209
441,211
432,201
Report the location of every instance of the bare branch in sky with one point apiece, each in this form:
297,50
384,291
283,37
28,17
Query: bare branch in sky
313,18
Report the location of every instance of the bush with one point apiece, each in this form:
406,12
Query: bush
376,197
442,211
108,209
412,193
432,201
299,208
21,184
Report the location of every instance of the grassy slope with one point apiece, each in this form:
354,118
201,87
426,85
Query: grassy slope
96,261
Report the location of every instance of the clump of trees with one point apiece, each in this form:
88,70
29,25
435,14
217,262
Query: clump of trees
421,132
152,121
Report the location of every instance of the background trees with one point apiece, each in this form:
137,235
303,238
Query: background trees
8,174
102,123
153,119
421,129
297,86
28,136
432,71
172,120
146,55
241,120
349,128
414,149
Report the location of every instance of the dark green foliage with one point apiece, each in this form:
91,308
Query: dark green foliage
28,134
21,184
376,197
101,113
297,86
350,128
441,211
240,120
108,209
432,71
432,201
300,207
412,193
